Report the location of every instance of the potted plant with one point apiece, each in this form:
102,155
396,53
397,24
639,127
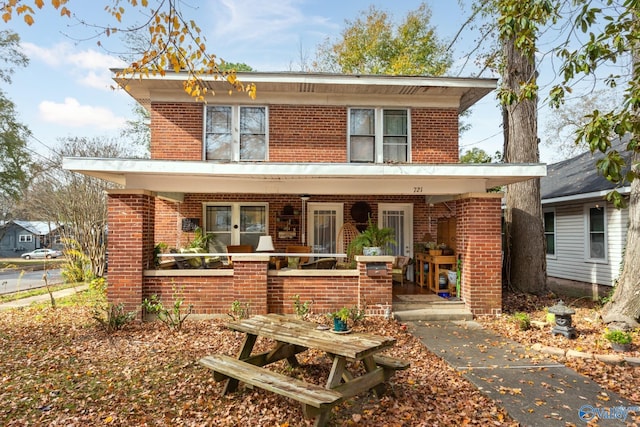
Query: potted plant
433,248
340,318
372,241
620,340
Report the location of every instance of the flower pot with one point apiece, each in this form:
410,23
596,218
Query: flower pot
371,251
435,252
616,346
339,325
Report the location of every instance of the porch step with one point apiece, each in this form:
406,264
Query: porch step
433,314
433,310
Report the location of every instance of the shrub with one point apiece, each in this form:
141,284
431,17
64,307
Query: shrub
174,318
301,309
239,310
522,320
617,336
112,317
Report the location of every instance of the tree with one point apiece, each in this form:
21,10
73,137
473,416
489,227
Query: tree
373,44
15,160
77,202
518,24
478,155
561,127
615,41
174,43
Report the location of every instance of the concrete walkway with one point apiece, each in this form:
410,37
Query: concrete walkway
25,302
534,390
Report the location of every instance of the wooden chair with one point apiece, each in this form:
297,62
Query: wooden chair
238,249
399,269
320,264
299,250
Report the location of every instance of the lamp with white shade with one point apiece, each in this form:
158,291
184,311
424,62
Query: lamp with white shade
265,244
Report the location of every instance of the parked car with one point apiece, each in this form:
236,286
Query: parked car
42,253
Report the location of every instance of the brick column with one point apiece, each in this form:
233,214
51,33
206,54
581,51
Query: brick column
250,281
479,243
374,286
130,244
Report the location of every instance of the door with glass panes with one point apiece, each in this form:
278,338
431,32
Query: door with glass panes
324,221
235,223
399,217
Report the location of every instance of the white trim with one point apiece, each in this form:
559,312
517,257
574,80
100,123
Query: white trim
587,233
236,110
583,196
236,207
555,232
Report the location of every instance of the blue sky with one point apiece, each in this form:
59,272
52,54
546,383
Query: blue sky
65,91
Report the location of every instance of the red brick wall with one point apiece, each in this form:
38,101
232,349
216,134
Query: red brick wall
250,284
307,133
209,295
434,135
479,244
301,133
176,131
326,293
130,245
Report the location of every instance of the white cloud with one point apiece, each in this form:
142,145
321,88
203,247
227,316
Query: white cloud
88,67
71,113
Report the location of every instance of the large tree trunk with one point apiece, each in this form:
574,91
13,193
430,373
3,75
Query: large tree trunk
523,215
624,307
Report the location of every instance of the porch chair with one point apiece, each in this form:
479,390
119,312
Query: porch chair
399,269
320,264
238,249
299,250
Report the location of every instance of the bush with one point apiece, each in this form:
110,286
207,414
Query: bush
174,318
617,336
522,320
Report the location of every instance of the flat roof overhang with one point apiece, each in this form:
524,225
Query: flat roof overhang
171,176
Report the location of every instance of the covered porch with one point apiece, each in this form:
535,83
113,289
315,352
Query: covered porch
154,190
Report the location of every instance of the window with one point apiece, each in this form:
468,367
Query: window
234,133
596,245
236,223
550,231
324,224
378,135
25,238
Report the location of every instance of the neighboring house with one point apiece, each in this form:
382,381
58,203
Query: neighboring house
18,237
311,154
585,234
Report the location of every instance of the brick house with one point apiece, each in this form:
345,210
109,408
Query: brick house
355,146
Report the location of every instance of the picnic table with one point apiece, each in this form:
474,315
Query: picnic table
293,336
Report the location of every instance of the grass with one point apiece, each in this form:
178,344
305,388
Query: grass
35,292
19,263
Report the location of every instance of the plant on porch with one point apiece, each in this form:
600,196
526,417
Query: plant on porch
372,237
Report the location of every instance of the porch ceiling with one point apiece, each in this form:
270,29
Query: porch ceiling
167,176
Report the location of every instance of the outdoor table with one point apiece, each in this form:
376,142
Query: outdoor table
293,336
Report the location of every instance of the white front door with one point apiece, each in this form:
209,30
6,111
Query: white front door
324,221
398,216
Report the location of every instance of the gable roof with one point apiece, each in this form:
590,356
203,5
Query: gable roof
36,227
577,177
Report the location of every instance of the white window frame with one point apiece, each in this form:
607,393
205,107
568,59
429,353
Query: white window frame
587,233
554,255
235,217
235,133
379,132
25,238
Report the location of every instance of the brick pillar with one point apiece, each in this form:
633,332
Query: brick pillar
250,281
479,243
375,286
131,219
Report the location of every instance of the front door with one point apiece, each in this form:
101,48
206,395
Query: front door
236,223
324,221
398,216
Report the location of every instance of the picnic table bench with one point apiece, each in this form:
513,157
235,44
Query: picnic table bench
293,336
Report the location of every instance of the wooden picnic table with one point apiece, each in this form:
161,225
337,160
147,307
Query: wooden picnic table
293,336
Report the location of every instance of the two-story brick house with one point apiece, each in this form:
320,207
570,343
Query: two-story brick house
355,146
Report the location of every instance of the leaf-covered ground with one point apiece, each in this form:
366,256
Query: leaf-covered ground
57,367
621,379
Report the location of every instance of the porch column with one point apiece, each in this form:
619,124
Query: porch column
250,281
479,243
131,219
374,283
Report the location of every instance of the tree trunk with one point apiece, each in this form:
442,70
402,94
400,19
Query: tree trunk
624,307
524,231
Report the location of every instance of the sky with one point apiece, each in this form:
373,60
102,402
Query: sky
66,90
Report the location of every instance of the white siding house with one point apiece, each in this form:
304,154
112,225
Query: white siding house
585,234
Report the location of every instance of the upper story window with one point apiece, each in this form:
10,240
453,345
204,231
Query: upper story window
378,135
235,133
550,231
596,233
